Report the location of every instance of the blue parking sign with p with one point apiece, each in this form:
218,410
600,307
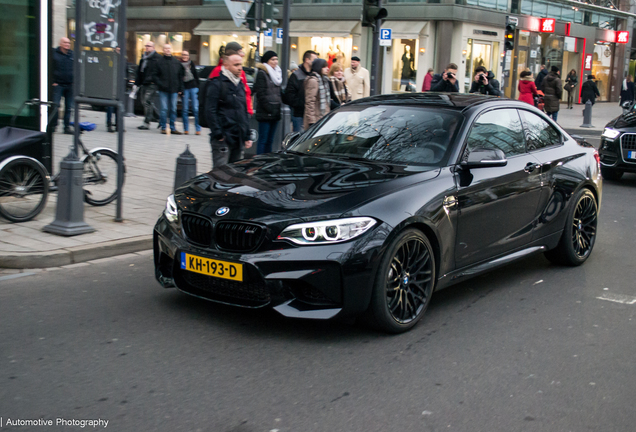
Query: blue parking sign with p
385,37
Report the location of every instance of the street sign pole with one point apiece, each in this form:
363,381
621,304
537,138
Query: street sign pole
375,55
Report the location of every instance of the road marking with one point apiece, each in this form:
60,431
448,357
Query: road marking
14,276
618,298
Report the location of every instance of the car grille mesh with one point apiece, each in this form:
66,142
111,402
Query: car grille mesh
241,293
197,229
238,236
628,141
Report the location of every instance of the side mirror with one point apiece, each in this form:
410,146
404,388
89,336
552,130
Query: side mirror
289,140
485,158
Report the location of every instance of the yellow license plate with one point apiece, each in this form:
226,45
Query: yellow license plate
211,267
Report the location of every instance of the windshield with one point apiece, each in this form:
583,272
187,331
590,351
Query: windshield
409,135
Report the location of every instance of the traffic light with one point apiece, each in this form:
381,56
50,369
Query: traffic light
371,12
269,11
509,41
250,17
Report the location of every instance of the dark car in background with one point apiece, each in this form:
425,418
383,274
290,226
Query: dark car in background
382,202
618,147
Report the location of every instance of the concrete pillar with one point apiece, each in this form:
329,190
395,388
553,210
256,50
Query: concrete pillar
59,21
443,54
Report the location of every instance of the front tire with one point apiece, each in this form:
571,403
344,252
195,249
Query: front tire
404,283
579,234
24,188
611,174
100,177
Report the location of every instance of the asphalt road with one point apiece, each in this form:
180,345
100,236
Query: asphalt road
530,347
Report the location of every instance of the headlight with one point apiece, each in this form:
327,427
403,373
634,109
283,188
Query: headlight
171,213
325,232
610,134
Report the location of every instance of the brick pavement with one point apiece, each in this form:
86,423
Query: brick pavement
150,161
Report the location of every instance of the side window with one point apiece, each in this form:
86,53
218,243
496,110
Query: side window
498,130
539,133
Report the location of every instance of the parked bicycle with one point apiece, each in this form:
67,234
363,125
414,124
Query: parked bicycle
26,159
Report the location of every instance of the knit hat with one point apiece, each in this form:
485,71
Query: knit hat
554,69
235,46
317,65
268,56
355,58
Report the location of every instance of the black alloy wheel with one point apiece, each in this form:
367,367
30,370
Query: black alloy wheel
579,234
404,283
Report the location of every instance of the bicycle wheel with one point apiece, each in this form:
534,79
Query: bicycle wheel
100,177
24,188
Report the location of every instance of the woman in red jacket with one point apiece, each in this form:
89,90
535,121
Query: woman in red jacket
527,88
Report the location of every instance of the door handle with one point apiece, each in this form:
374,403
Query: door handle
531,166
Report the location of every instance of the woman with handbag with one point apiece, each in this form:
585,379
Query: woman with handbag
267,88
570,85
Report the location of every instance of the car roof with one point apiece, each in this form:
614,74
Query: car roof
449,100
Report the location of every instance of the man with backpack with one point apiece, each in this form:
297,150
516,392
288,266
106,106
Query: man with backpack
226,112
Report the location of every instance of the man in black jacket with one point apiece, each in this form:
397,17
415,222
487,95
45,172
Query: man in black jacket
63,81
447,81
294,95
226,113
168,75
485,83
144,80
540,76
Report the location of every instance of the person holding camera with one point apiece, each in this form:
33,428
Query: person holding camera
485,83
447,81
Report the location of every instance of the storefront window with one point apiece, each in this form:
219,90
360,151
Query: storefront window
19,59
478,53
404,64
490,4
160,39
601,68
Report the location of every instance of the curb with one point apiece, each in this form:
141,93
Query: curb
74,255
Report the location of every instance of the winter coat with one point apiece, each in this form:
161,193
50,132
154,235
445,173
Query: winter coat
248,92
438,84
540,76
146,76
294,95
573,80
627,95
359,82
553,90
492,88
192,83
168,75
426,86
62,67
268,96
226,111
527,91
589,91
312,100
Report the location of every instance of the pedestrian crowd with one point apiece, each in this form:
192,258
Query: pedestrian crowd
224,103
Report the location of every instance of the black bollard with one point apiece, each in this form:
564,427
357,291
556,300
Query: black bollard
186,167
69,214
130,108
587,115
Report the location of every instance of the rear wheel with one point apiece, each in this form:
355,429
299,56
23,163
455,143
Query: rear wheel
100,177
404,283
611,174
24,188
579,234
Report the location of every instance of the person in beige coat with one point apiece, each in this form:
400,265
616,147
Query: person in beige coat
317,93
358,79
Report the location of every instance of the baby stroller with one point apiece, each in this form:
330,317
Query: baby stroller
538,100
26,162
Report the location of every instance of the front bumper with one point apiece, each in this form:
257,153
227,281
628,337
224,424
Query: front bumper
615,154
318,282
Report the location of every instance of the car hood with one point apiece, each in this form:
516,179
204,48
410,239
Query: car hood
623,121
276,184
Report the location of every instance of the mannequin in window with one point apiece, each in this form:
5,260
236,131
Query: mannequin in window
222,50
251,57
408,67
331,56
340,57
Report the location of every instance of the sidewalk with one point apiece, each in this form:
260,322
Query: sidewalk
150,163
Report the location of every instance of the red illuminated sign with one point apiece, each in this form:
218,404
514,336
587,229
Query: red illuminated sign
547,25
622,36
588,62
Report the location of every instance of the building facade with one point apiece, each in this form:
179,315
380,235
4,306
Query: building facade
427,34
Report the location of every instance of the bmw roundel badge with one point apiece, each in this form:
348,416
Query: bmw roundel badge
222,211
